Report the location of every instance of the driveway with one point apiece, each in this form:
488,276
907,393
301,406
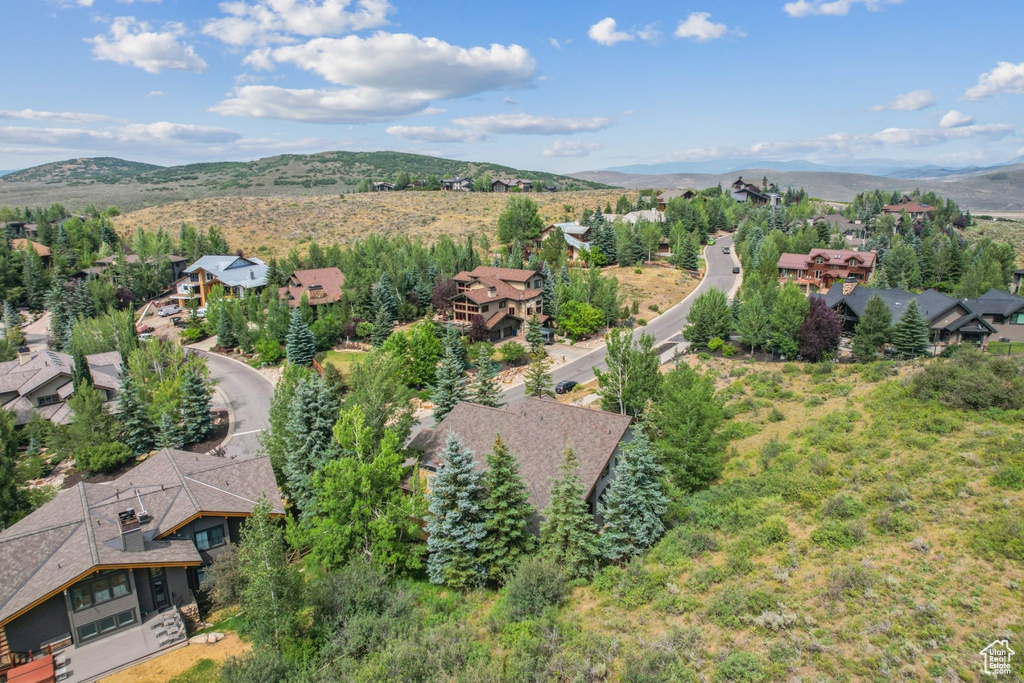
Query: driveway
247,395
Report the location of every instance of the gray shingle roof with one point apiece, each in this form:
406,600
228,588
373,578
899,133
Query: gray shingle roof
234,271
537,432
931,303
77,532
996,302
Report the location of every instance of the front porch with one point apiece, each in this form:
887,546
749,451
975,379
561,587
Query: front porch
157,633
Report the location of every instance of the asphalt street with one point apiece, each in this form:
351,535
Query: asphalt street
247,394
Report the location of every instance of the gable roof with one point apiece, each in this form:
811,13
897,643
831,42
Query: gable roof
323,284
909,207
570,228
996,302
234,271
41,367
507,274
931,303
77,532
833,257
668,195
22,243
537,432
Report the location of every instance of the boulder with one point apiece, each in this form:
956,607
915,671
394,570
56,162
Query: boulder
201,639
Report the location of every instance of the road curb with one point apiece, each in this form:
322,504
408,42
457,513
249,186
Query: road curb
209,352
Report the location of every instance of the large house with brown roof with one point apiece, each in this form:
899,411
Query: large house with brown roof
41,383
916,210
99,562
320,286
537,432
503,297
820,268
665,197
45,254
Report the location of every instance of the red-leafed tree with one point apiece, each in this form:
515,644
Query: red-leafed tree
478,329
442,294
820,332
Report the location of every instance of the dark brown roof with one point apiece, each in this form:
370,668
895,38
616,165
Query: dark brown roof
320,285
909,207
77,532
481,295
507,274
537,432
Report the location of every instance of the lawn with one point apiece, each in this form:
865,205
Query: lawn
1005,348
341,360
189,664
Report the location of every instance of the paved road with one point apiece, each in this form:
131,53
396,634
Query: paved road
247,394
665,327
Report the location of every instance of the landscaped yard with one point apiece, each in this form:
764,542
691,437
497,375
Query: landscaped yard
341,360
1005,348
190,664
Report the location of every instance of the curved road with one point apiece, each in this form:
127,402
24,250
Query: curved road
666,327
247,394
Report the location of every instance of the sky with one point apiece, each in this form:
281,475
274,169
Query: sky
553,86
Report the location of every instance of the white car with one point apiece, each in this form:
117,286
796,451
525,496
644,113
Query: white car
201,312
173,309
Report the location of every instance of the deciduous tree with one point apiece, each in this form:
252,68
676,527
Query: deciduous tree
820,332
632,379
709,317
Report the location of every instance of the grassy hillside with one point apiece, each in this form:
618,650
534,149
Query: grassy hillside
130,185
1001,190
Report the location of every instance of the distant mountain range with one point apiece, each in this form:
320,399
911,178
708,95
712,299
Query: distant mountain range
997,189
133,185
886,168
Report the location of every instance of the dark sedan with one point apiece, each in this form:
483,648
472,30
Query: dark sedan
565,387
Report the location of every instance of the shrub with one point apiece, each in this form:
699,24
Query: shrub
223,582
849,581
656,664
1009,477
103,457
715,344
972,380
192,334
703,355
1002,535
740,667
682,542
773,530
842,506
536,584
653,307
835,535
269,351
734,602
364,329
728,350
632,587
512,352
256,666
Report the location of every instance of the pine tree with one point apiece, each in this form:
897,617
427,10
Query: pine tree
301,346
275,278
635,502
136,427
547,291
32,281
872,330
309,440
508,513
910,333
457,521
12,325
563,275
226,337
534,335
81,375
384,297
484,389
449,385
538,379
197,422
689,251
567,534
453,340
169,435
14,503
382,328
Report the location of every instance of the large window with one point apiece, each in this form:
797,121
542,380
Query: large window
1017,319
48,400
100,590
106,625
210,538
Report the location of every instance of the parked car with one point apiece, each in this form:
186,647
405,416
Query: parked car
725,250
711,240
177,321
549,335
146,336
173,309
565,387
735,269
201,311
143,329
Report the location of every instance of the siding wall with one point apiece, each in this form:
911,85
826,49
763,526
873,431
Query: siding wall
604,481
46,622
109,608
189,531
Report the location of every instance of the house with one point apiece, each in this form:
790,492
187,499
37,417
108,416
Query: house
15,229
577,236
1017,286
41,383
503,297
950,320
499,185
238,275
176,262
742,191
457,184
101,561
916,210
665,197
383,187
320,286
1004,312
820,268
537,432
22,243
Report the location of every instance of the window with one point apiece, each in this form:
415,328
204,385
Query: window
485,308
86,632
119,585
1017,319
501,304
126,617
48,400
107,624
81,598
193,277
536,284
210,538
100,590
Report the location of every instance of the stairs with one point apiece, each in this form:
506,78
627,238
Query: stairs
169,628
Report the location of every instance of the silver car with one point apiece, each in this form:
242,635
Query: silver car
173,309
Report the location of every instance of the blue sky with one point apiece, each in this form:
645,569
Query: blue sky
559,86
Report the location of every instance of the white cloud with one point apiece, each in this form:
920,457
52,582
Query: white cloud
527,124
699,27
33,115
650,34
571,148
260,59
330,105
274,21
555,44
832,8
159,133
605,32
129,2
915,100
164,131
1006,78
155,93
432,134
954,119
134,42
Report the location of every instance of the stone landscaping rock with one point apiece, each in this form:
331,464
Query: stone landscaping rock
216,637
201,639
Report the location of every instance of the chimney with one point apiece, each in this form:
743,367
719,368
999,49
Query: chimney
24,355
252,274
131,531
492,292
848,286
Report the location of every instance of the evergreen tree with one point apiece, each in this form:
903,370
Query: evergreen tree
169,434
13,502
384,297
563,275
547,291
81,375
484,389
309,440
507,515
33,282
688,252
197,422
709,317
12,325
538,379
137,428
872,330
567,534
226,337
456,523
301,345
453,341
534,335
382,327
786,319
753,323
449,385
910,333
635,502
